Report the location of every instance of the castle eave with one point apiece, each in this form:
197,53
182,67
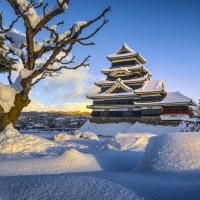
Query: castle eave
114,106
112,96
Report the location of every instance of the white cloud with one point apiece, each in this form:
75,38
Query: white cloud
93,89
37,106
70,85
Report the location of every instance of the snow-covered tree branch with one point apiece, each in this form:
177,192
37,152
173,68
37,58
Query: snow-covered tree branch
29,50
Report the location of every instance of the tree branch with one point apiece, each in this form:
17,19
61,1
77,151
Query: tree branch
39,79
91,43
83,64
48,17
38,5
85,38
52,32
44,7
9,73
11,25
57,49
64,63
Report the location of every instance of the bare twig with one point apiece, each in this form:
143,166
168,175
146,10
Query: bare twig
44,7
83,64
64,63
91,43
85,38
11,25
41,3
39,79
9,73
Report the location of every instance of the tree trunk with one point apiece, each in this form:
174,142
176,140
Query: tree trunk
13,114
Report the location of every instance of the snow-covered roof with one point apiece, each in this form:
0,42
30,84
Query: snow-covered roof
121,71
119,83
172,98
130,68
126,48
135,80
151,86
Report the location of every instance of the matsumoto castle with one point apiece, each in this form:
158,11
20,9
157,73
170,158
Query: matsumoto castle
129,92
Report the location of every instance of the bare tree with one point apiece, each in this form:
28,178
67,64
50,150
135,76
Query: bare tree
28,51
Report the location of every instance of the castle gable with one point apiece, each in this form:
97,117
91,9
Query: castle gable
119,84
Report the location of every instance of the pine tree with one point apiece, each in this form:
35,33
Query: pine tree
5,62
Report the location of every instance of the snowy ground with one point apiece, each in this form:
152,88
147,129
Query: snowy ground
113,128
117,168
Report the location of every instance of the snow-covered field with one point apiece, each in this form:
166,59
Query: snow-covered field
73,167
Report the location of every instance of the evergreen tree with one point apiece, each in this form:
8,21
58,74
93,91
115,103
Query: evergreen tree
5,62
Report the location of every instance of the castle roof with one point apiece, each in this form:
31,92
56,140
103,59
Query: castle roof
171,98
130,68
119,83
109,83
111,95
125,51
151,87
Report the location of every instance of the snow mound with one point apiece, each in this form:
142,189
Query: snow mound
9,131
11,141
63,136
75,161
86,135
106,129
129,141
157,130
173,152
7,97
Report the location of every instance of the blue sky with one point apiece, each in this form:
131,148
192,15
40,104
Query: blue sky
166,33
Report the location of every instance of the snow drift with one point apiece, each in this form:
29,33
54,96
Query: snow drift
105,129
11,141
129,141
111,129
157,130
173,152
69,161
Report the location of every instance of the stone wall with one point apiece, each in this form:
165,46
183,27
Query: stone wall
153,120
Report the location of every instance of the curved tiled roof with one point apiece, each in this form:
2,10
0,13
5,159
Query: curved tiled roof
151,86
130,53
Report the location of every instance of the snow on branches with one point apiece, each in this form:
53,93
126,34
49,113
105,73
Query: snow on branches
29,50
